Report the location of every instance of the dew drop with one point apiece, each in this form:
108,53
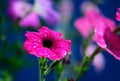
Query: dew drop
34,46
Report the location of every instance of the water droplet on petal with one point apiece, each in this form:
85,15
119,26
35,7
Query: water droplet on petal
34,46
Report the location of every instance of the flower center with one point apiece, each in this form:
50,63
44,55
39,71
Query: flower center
47,43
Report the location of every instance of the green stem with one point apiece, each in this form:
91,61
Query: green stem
42,62
86,62
39,73
52,66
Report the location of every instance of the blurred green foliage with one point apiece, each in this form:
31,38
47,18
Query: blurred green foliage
12,54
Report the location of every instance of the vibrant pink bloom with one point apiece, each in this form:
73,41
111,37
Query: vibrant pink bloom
100,29
31,20
107,39
99,61
87,23
118,15
47,43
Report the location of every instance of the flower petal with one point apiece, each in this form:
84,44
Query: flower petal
59,53
18,9
63,44
113,43
32,20
35,44
84,26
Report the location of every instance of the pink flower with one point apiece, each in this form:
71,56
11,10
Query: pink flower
18,9
86,24
22,10
107,39
99,61
103,27
47,43
118,15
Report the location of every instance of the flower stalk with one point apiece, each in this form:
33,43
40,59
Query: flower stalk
42,68
86,62
52,66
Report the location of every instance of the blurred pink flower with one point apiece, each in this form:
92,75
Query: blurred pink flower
47,43
22,10
85,25
18,9
45,11
107,39
31,20
102,27
118,15
99,60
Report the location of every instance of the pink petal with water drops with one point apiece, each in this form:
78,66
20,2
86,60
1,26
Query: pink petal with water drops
59,53
45,43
